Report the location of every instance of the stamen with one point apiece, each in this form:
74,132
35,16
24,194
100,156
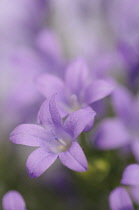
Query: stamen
74,102
60,140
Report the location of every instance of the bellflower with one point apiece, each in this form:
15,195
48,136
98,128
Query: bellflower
78,90
119,199
125,20
54,138
12,200
131,178
121,130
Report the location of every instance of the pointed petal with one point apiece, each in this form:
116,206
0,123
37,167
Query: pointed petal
13,200
30,135
49,114
74,158
49,84
39,161
77,76
111,134
44,117
120,200
80,121
99,89
56,117
131,175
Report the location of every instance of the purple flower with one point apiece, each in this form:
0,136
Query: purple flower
125,20
54,138
12,200
78,90
119,199
122,130
131,175
130,178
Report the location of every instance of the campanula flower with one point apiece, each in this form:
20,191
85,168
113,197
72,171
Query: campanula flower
119,199
125,20
78,90
121,130
54,138
131,175
130,178
13,200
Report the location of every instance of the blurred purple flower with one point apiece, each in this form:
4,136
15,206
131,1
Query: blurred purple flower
20,23
77,91
54,138
131,175
122,130
21,67
130,178
120,200
21,20
12,200
130,56
108,65
123,19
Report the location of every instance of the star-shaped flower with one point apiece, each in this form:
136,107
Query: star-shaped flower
78,89
54,138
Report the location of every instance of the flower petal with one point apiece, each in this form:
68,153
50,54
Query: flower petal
49,84
120,200
131,175
111,134
30,135
122,102
77,76
135,193
78,121
13,200
97,90
74,158
56,117
39,161
49,114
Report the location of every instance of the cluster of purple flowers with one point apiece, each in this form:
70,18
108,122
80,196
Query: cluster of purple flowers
66,98
64,115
